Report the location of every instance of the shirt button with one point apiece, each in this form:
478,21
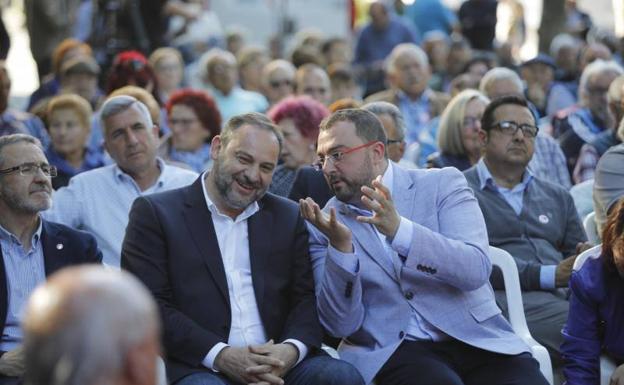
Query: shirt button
409,295
401,334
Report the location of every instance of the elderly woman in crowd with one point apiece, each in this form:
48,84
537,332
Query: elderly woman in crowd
458,138
69,125
168,68
298,119
596,316
194,120
130,68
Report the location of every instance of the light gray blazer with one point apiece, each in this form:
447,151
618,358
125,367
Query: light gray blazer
366,298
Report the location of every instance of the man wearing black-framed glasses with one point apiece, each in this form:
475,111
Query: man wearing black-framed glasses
30,248
533,219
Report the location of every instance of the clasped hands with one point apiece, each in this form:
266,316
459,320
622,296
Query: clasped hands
377,199
265,364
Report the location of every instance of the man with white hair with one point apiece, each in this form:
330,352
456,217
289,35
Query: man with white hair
278,80
91,325
312,80
99,200
408,72
573,128
548,161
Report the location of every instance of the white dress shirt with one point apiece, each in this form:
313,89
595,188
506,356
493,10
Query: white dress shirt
233,238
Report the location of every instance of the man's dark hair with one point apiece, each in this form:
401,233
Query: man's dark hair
367,126
253,119
487,121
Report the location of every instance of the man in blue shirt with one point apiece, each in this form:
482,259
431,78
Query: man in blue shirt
376,41
533,219
30,248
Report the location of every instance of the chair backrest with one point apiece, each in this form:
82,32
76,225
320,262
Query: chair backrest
591,229
584,256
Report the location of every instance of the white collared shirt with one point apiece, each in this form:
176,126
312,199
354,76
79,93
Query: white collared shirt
233,238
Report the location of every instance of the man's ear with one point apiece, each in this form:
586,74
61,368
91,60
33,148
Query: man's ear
215,147
156,131
402,148
483,137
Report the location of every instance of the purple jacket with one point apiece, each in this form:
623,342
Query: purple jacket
595,321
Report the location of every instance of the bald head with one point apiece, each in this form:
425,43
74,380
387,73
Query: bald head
91,325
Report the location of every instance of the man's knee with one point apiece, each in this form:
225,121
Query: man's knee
203,378
329,371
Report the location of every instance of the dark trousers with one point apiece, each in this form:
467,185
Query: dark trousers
456,363
9,380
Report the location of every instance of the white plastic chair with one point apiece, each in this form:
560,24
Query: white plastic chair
607,365
591,229
515,308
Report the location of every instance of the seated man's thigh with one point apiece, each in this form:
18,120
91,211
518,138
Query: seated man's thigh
546,313
413,364
323,369
204,378
509,370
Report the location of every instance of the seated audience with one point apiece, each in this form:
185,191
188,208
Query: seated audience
336,50
220,74
245,253
251,60
168,67
131,68
298,119
31,247
79,75
594,325
13,121
548,161
91,325
69,125
592,151
193,120
312,80
580,125
405,284
408,72
458,135
342,80
531,218
99,200
608,181
278,80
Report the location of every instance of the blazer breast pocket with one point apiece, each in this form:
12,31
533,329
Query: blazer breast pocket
485,311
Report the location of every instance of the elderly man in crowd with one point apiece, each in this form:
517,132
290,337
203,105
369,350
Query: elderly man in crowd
31,248
312,80
548,161
401,268
229,267
99,200
533,219
278,80
408,72
91,325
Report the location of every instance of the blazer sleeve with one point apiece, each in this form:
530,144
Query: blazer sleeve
581,336
144,253
457,252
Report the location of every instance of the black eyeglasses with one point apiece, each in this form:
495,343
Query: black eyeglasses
336,157
510,128
29,169
393,141
279,83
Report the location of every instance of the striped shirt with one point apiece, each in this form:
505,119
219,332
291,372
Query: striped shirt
24,270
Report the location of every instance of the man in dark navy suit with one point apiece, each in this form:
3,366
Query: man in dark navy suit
31,248
230,270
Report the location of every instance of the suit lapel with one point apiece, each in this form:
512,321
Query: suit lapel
199,222
259,249
367,238
53,248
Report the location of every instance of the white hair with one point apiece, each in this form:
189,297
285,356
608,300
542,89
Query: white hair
499,73
117,104
594,68
402,49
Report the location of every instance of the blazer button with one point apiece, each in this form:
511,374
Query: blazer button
401,334
409,295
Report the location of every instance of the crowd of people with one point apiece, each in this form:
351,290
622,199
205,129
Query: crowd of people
249,206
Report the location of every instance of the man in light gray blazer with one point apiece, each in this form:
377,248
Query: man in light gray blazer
401,268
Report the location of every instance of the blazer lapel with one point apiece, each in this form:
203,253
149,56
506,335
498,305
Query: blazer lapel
199,222
259,249
54,246
367,238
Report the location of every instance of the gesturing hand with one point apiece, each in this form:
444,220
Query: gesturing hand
233,362
338,234
287,353
385,216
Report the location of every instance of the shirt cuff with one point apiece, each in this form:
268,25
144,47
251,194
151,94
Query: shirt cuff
303,350
547,277
347,261
403,237
212,355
